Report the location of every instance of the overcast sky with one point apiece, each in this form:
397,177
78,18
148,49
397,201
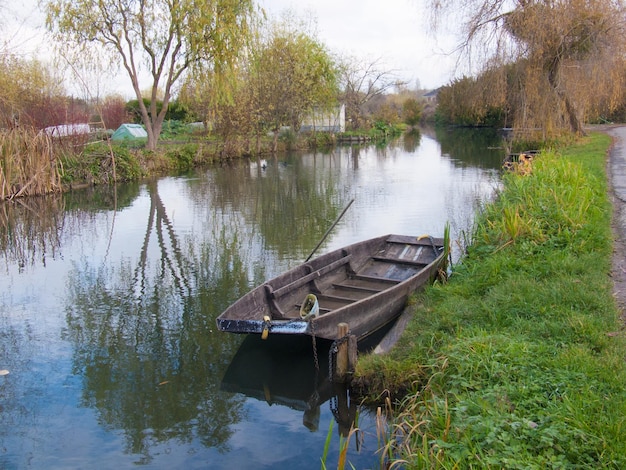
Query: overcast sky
394,31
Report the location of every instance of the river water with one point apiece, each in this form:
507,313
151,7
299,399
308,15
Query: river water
108,300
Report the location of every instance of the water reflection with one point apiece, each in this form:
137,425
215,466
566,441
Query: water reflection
109,300
30,229
148,364
471,147
294,372
282,371
411,140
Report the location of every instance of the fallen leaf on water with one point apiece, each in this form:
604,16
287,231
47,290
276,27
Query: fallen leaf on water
4,372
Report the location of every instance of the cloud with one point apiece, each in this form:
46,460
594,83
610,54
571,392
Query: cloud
395,31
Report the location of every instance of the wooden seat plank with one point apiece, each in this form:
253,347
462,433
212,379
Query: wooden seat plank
311,276
386,259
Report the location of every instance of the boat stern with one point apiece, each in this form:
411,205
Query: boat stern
267,326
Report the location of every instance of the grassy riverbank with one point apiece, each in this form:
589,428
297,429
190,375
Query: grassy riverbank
35,164
518,361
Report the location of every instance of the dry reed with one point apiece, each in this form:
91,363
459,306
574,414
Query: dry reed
28,164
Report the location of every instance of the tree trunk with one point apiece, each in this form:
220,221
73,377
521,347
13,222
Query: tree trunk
152,140
153,135
575,124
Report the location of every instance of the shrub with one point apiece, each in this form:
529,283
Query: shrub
101,163
182,157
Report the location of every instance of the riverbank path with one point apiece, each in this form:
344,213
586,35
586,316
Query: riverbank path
617,179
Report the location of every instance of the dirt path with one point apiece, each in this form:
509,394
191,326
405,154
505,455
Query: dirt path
617,180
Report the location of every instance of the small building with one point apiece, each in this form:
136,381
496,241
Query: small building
325,121
130,132
431,96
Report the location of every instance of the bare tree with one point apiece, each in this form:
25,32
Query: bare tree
30,94
363,81
113,112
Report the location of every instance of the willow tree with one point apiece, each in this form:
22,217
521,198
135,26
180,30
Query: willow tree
568,54
291,75
162,39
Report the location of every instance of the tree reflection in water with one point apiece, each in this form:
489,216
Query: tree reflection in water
144,339
142,329
30,229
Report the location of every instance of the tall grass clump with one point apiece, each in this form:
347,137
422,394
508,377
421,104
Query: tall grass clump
521,354
28,166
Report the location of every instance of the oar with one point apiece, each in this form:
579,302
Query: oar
329,230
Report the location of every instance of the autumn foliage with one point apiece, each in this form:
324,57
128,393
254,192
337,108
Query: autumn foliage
549,65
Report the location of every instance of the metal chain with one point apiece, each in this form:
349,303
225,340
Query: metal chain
334,407
332,355
315,358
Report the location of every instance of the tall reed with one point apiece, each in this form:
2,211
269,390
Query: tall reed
28,165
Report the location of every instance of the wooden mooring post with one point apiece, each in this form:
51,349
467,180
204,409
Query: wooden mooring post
345,362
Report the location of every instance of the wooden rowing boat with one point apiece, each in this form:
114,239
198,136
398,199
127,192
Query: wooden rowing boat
365,285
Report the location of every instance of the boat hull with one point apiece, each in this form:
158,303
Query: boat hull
365,285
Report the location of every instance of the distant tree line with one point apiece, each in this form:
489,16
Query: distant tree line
238,72
547,65
286,75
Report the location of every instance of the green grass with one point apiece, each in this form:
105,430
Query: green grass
514,362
